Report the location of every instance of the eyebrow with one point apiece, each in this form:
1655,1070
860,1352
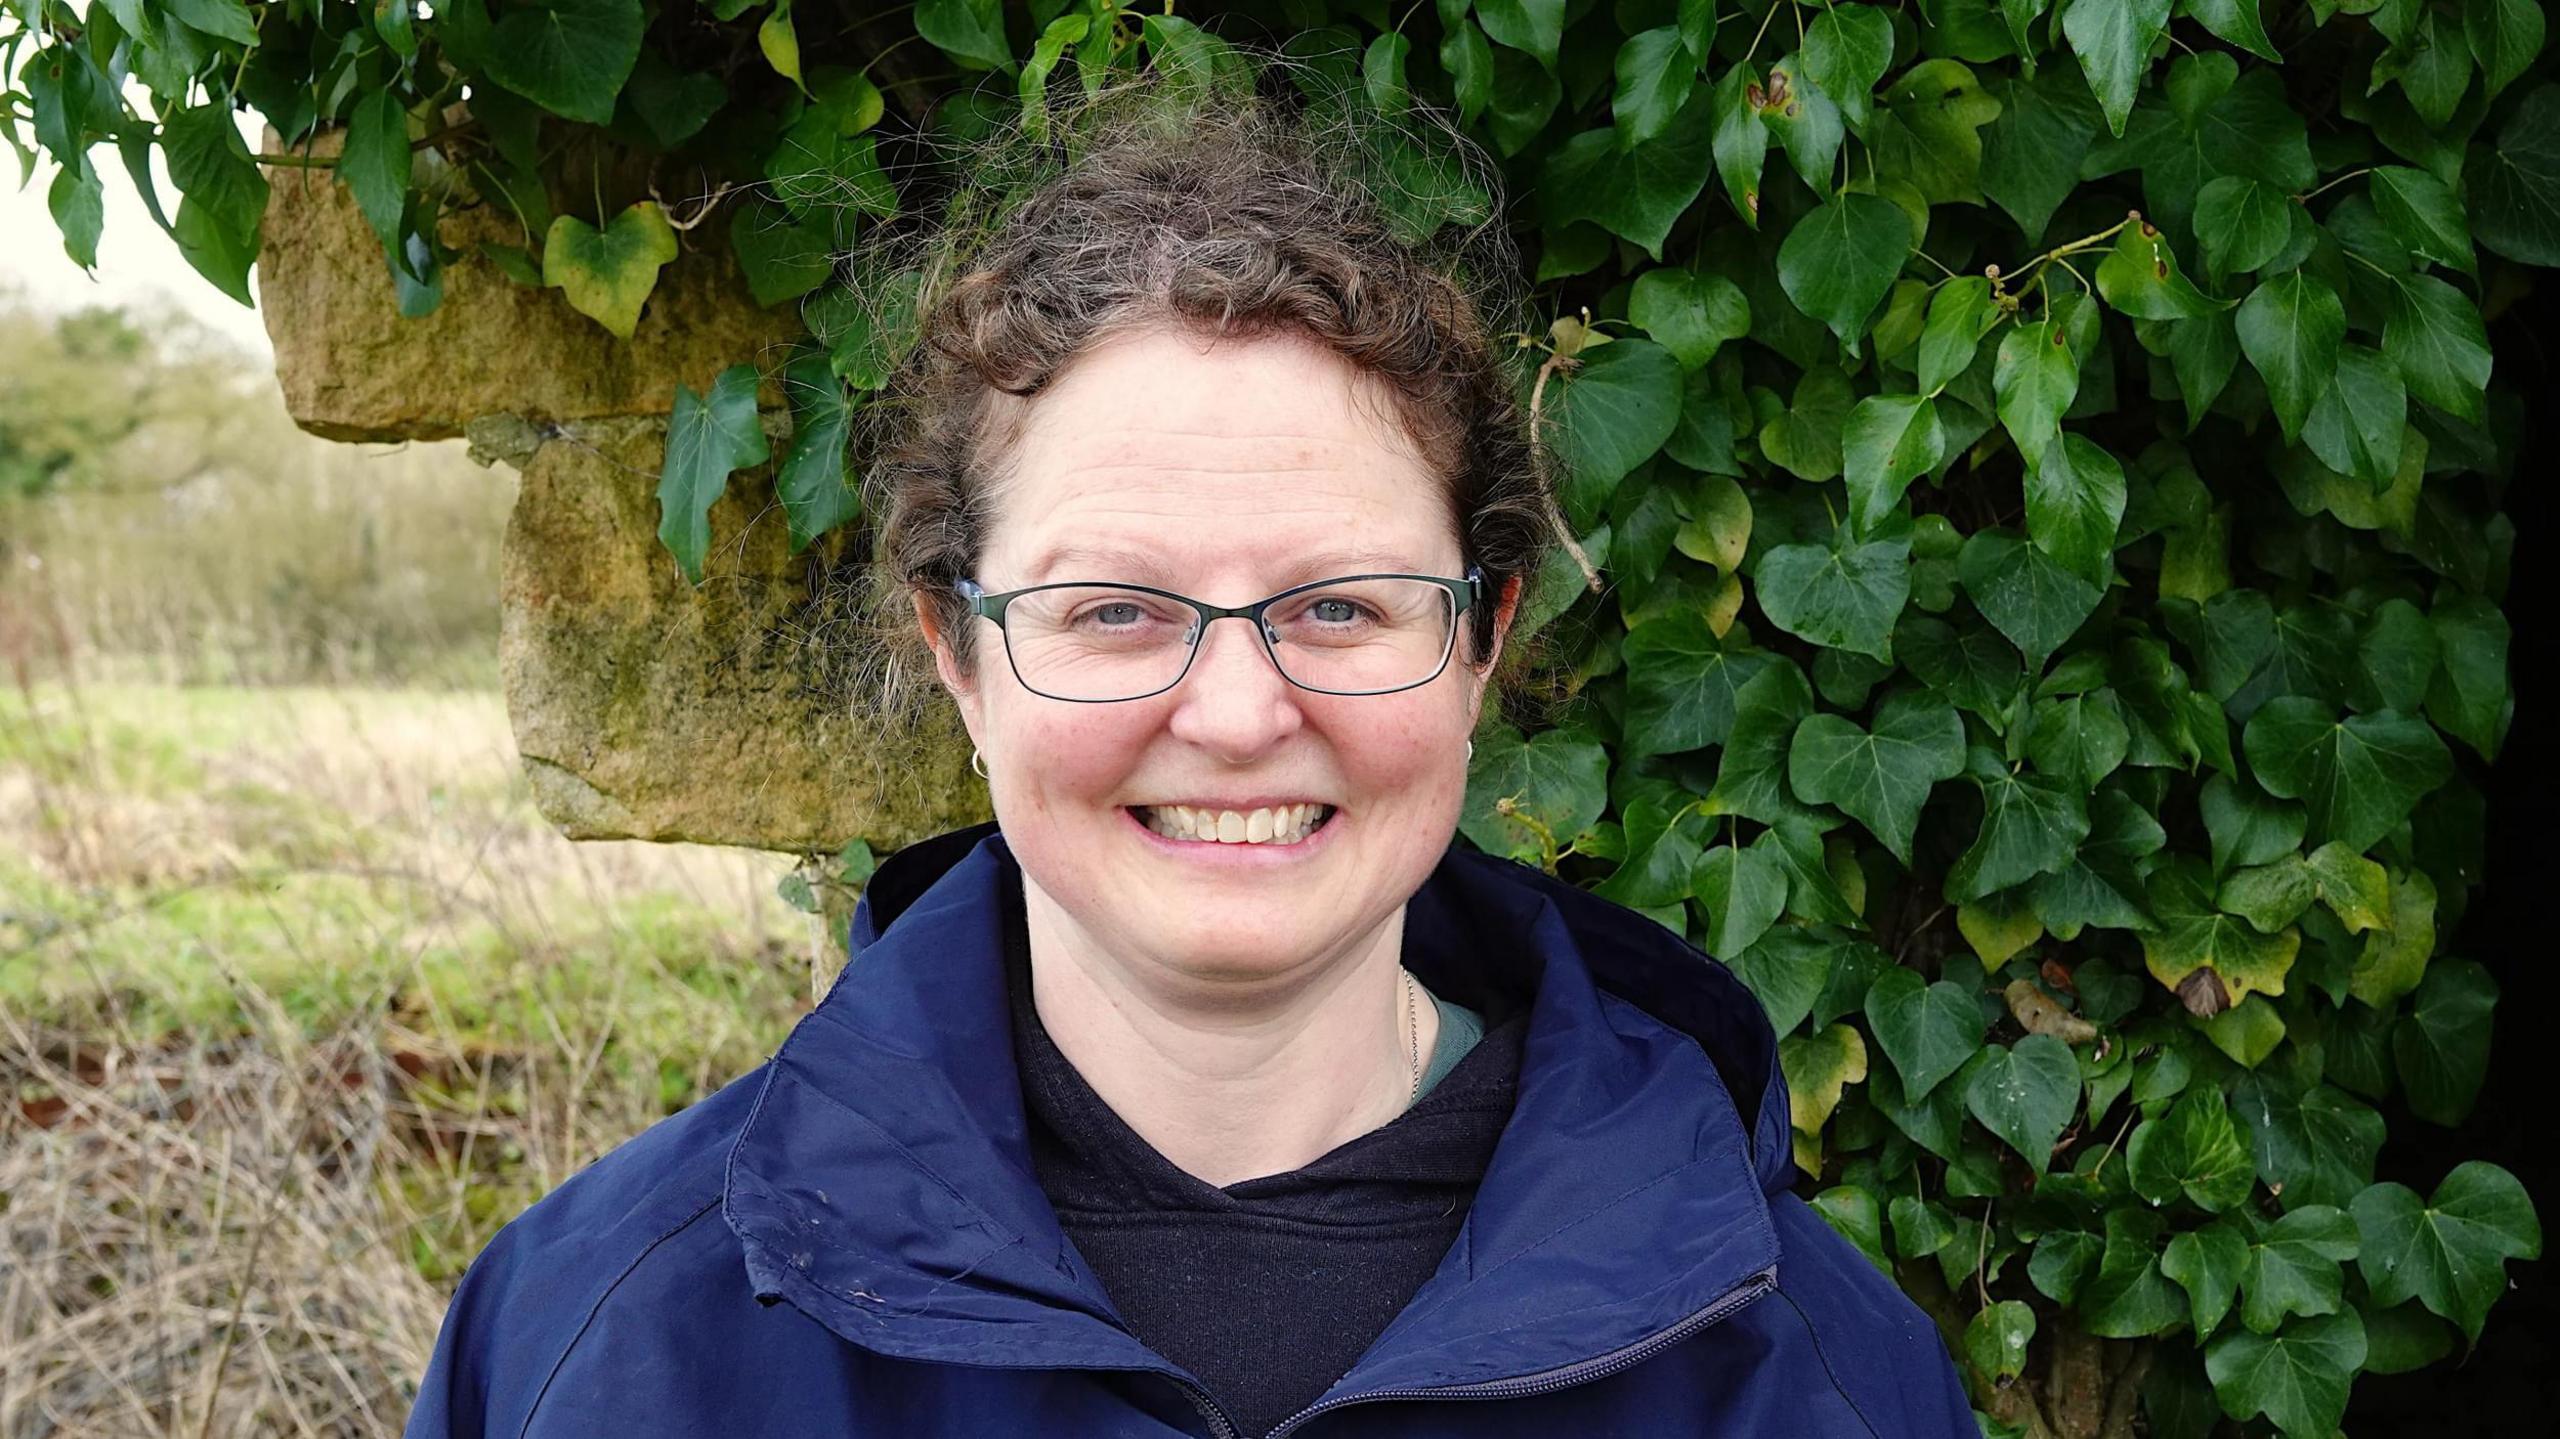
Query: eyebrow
1112,562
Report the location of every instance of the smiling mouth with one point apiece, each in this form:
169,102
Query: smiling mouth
1286,824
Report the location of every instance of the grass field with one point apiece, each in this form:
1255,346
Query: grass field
300,999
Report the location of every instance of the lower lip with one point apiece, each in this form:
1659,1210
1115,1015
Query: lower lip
1236,856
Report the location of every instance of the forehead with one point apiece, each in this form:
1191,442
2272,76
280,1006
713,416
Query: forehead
1163,455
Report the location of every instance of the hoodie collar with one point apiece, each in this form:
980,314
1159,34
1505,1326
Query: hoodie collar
883,1182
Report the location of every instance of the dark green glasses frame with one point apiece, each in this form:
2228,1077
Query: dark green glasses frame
1465,593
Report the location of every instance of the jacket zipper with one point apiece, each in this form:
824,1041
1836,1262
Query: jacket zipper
1579,1372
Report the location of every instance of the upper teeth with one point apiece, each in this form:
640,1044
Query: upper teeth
1286,824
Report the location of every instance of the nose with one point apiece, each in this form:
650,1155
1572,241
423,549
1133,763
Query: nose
1234,700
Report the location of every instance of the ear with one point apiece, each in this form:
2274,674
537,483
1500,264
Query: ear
944,665
1502,616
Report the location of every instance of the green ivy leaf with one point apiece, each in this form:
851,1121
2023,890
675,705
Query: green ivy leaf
2036,378
2436,338
1690,314
1807,125
2360,775
2207,1263
1995,1342
1844,594
1740,141
2290,327
1560,778
78,202
2514,185
223,19
2075,500
971,32
2358,424
210,164
1840,258
709,436
1787,971
2449,1251
2194,937
374,162
1662,854
2423,215
2113,39
1634,193
1751,772
1684,682
568,56
1382,73
2297,1378
2027,594
2505,36
2031,825
2140,277
2031,154
1656,74
1852,1211
2193,1151
607,275
2293,1267
1889,441
1961,312
1847,49
1609,414
2442,1048
1881,777
1927,1030
2241,223
2025,1094
1536,26
783,258
1806,439
2469,697
1744,891
2128,1297
2313,1144
2235,21
815,497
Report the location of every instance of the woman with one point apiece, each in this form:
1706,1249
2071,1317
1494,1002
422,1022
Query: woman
1211,1090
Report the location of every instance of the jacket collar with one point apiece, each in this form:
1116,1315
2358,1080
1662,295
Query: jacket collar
883,1182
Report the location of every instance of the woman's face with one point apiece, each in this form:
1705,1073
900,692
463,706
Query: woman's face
1226,472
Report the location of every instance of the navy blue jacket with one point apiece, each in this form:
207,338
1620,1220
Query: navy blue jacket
850,1241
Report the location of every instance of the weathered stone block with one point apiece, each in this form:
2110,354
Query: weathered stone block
643,708
646,709
354,369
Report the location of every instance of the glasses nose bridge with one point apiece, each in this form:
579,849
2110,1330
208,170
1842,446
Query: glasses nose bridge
1257,638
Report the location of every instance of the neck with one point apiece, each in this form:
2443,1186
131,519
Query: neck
1232,1081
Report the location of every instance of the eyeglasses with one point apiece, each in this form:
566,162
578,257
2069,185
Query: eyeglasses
1094,643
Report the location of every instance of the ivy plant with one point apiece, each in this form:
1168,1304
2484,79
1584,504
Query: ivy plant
2032,474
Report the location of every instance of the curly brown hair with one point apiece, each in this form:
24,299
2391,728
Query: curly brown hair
1233,213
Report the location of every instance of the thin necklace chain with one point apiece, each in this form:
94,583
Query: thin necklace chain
1412,1035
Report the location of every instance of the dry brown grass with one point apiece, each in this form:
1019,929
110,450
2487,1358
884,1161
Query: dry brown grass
300,1001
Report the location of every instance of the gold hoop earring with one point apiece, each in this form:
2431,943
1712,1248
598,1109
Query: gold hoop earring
978,762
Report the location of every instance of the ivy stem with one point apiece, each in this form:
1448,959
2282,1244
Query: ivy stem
2305,197
1555,516
1764,29
2073,247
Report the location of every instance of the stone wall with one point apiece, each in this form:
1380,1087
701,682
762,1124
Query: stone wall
644,708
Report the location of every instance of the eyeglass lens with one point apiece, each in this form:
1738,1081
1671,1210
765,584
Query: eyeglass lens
1103,642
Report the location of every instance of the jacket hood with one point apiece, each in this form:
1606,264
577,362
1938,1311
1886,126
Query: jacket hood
883,1183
